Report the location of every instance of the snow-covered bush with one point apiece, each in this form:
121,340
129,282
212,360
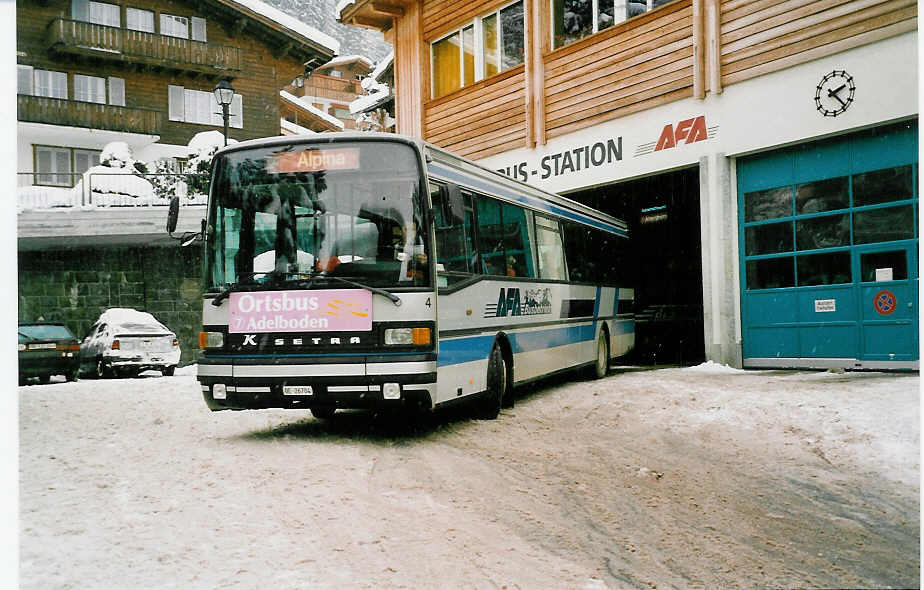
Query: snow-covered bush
202,148
117,180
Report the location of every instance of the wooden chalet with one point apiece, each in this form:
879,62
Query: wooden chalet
707,125
143,72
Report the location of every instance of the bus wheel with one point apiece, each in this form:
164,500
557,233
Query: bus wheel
603,356
493,399
323,412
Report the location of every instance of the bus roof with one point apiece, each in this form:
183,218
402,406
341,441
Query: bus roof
452,168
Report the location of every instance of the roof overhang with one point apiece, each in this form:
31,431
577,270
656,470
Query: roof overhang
373,14
284,40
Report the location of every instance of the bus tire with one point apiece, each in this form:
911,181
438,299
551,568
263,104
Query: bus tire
493,399
602,364
323,412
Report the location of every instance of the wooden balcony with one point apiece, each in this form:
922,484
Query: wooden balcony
72,113
137,47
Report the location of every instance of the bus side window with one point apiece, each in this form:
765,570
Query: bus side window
549,247
578,239
454,253
518,255
490,236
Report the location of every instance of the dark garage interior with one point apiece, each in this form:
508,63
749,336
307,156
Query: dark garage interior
664,223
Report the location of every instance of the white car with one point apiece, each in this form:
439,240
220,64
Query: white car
127,341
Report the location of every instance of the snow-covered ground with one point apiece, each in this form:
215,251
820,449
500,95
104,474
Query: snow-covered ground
699,477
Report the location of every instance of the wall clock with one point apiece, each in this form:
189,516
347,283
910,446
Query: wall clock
834,93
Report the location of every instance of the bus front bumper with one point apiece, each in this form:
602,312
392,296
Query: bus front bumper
238,386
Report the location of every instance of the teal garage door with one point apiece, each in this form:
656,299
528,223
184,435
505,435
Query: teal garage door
829,252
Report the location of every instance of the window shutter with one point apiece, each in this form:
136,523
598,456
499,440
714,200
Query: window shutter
81,88
198,29
177,103
24,79
80,10
237,112
117,91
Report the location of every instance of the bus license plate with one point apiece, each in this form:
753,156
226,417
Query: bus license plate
297,390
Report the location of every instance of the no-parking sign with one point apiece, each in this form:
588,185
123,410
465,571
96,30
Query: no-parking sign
885,302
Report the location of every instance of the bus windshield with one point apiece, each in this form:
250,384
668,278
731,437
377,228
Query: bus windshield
303,211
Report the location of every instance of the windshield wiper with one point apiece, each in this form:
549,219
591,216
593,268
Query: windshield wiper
306,284
246,278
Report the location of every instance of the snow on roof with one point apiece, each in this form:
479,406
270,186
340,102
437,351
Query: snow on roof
311,108
346,59
382,65
341,5
370,101
293,128
291,23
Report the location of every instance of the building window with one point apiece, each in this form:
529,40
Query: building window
24,79
105,14
85,159
100,13
89,89
575,19
116,91
50,84
199,106
174,26
53,166
198,29
93,89
490,44
139,20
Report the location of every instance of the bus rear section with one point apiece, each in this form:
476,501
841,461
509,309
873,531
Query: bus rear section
530,283
319,289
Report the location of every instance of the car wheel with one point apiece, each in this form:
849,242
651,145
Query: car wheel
492,401
168,371
323,412
102,371
43,379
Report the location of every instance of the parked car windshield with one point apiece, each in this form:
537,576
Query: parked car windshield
45,332
303,210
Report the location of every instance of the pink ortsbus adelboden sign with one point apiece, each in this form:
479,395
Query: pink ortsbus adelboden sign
341,310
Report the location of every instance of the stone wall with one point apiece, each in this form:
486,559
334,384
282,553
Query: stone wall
75,285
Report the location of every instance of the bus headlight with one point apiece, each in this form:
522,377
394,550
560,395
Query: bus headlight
211,340
407,336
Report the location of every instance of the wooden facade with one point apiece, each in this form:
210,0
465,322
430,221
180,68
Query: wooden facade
682,49
259,57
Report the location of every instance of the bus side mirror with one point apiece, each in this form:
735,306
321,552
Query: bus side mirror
173,214
451,197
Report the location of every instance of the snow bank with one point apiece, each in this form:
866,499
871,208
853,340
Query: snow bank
46,197
713,367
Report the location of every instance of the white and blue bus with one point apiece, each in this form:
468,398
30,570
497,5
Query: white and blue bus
370,270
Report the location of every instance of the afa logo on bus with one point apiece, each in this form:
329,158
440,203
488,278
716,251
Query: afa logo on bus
510,303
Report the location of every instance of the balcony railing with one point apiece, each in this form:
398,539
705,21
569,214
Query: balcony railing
117,44
73,113
37,190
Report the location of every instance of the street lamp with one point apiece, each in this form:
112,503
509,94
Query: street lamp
224,94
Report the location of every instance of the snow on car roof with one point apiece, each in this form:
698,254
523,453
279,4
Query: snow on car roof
120,316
